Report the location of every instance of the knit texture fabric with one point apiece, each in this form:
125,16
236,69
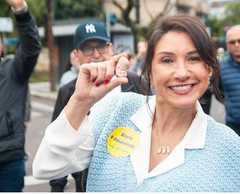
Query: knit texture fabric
216,168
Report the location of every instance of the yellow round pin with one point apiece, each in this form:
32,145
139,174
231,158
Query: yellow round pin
122,141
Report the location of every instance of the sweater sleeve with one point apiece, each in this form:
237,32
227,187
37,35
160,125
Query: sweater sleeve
63,150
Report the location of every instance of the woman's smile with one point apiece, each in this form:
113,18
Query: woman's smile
182,89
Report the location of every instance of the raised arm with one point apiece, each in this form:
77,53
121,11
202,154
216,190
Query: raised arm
95,80
69,141
29,41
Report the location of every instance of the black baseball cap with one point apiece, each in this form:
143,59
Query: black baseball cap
90,30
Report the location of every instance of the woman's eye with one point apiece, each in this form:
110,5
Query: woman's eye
166,60
195,59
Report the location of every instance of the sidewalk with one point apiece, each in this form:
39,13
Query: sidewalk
42,89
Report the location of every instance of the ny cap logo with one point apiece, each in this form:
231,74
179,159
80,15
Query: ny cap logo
90,28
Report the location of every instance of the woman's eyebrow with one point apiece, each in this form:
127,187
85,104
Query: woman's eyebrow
192,52
165,53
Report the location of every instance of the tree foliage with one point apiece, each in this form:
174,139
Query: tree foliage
216,26
232,14
37,7
5,10
65,9
39,10
231,17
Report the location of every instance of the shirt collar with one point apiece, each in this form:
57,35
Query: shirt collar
195,136
144,115
193,139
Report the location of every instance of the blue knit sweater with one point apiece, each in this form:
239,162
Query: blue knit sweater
215,168
230,76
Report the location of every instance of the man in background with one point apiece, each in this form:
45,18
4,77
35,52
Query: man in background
14,76
230,78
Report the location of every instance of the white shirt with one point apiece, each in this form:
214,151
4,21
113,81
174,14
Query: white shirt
68,76
65,150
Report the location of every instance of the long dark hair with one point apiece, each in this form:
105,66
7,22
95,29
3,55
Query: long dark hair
195,29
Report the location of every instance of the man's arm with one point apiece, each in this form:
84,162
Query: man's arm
59,105
29,41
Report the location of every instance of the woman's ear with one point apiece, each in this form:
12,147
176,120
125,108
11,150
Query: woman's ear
210,72
210,75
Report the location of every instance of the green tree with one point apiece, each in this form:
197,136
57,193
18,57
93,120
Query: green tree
39,10
216,25
232,14
5,10
65,9
219,25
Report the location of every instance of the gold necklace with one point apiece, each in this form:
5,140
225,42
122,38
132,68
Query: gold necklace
164,149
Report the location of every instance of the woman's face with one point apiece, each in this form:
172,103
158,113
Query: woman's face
179,76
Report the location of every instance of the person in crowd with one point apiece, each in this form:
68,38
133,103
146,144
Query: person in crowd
230,78
140,58
220,53
135,143
14,76
72,71
88,47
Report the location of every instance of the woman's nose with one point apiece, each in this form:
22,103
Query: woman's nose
182,72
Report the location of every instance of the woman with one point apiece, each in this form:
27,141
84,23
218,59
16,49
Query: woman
166,143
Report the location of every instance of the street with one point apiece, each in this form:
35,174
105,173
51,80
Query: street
41,115
40,118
